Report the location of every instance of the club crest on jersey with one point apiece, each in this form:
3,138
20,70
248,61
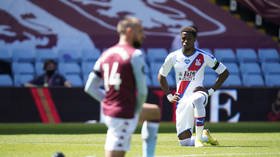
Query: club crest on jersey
197,62
187,61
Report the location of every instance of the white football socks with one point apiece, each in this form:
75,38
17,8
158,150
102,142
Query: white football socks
149,136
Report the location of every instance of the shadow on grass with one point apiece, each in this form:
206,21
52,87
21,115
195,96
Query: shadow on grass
165,127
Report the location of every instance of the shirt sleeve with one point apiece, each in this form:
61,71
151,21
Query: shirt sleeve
167,65
92,87
96,68
213,63
137,62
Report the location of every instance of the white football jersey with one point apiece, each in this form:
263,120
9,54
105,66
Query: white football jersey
189,70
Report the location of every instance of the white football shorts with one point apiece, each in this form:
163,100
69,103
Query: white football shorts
119,132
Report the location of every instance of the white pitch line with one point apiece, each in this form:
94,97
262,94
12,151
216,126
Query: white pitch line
227,154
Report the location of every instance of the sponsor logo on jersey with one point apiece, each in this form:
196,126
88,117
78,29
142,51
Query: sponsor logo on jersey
188,76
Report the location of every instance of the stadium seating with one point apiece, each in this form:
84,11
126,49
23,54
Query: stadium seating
23,55
44,54
272,80
69,55
250,68
23,68
268,54
233,81
232,67
209,80
271,68
148,81
246,55
253,80
69,68
85,77
21,79
225,55
209,70
39,68
90,55
154,81
155,66
156,55
147,69
245,62
5,80
75,80
87,67
5,55
170,79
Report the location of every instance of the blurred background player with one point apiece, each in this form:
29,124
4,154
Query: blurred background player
120,69
191,97
274,115
50,78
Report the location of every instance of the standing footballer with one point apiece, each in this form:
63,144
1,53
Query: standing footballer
191,97
120,69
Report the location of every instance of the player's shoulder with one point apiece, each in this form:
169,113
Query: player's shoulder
175,53
138,52
205,53
124,51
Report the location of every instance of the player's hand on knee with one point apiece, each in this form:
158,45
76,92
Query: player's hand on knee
173,97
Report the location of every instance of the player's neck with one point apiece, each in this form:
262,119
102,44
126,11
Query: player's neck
123,40
188,52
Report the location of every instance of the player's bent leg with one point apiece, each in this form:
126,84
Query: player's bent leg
185,138
185,123
150,112
199,100
151,117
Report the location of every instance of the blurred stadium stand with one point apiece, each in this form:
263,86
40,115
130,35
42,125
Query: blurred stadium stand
225,55
77,47
5,80
247,66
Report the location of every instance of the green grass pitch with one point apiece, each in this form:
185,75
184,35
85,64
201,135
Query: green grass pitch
87,140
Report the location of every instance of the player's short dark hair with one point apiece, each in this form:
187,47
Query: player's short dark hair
190,29
49,61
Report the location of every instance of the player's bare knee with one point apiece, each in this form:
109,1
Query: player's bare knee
185,134
158,113
151,112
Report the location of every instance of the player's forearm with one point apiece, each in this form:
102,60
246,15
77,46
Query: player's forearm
93,87
221,79
163,84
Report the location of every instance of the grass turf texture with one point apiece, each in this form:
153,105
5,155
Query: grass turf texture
81,140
